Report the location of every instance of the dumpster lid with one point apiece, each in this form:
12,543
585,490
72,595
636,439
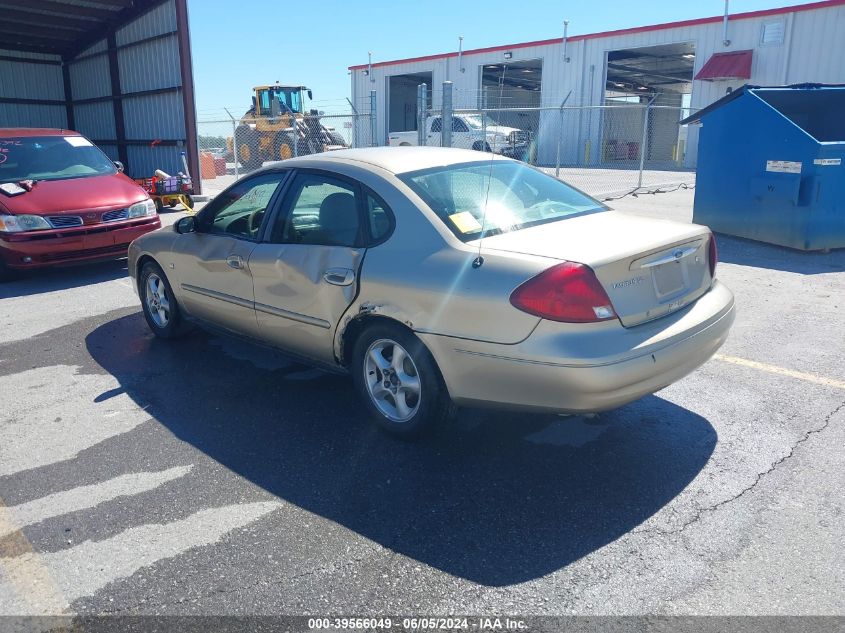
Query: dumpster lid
736,94
732,65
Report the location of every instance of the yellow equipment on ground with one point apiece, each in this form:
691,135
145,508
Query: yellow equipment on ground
166,190
277,127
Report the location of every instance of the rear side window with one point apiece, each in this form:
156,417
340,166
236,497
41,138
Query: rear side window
321,210
379,217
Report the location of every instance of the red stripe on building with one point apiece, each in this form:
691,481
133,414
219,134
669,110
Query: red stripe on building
823,4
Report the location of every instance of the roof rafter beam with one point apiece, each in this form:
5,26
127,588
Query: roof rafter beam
14,16
25,32
645,73
59,8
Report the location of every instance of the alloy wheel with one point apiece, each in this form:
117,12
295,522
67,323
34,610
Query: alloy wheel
392,380
158,303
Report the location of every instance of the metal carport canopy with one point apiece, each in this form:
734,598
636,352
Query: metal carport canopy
113,41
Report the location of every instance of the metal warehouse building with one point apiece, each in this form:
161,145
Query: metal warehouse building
683,65
118,71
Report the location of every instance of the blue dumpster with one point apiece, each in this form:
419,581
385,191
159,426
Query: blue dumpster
770,165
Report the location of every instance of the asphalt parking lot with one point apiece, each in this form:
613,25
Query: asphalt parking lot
206,476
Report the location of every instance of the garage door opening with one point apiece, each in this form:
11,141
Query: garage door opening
513,85
661,75
402,100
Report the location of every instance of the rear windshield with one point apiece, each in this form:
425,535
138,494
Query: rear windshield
51,158
500,196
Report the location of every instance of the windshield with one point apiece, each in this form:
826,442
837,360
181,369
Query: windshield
51,158
478,121
517,197
291,99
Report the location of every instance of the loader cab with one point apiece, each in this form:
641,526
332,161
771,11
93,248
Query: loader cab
273,101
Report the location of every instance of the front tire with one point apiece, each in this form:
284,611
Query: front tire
161,310
248,150
399,382
6,273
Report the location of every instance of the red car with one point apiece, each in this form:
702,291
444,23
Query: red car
63,200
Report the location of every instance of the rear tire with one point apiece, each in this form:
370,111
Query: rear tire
283,147
399,382
161,310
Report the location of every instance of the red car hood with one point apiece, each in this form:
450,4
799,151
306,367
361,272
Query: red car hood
55,197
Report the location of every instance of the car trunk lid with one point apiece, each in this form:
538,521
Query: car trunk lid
649,268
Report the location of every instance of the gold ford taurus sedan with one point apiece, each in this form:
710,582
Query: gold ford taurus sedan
442,277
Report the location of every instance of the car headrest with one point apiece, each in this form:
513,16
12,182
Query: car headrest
339,214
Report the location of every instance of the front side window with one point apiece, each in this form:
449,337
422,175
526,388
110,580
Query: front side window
51,158
436,124
265,101
239,211
320,210
459,126
500,196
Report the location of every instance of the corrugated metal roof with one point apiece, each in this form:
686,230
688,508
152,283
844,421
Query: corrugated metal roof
732,65
61,27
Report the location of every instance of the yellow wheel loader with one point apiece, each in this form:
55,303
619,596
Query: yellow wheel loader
277,127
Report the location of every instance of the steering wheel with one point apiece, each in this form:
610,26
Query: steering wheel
253,222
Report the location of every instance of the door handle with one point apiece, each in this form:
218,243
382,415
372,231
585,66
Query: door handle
339,276
235,261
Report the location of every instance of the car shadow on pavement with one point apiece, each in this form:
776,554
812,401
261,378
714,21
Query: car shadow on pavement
737,250
63,278
497,498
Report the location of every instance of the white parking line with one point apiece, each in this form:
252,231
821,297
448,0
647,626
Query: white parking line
84,497
782,371
84,569
41,425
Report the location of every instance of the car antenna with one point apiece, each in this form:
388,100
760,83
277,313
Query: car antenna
479,259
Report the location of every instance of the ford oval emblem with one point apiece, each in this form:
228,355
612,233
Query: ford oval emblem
678,254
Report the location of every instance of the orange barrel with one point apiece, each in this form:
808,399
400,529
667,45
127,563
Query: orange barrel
220,166
207,166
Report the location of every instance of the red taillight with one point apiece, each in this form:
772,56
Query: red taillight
714,255
567,292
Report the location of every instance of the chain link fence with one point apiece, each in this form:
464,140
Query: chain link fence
604,150
607,151
231,148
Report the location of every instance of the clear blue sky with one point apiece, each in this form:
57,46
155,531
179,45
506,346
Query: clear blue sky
237,45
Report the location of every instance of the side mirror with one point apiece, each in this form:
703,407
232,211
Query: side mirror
310,96
186,225
119,166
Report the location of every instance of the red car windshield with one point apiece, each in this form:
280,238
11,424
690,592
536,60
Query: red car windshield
51,158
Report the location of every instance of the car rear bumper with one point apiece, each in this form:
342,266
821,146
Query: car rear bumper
565,368
50,248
